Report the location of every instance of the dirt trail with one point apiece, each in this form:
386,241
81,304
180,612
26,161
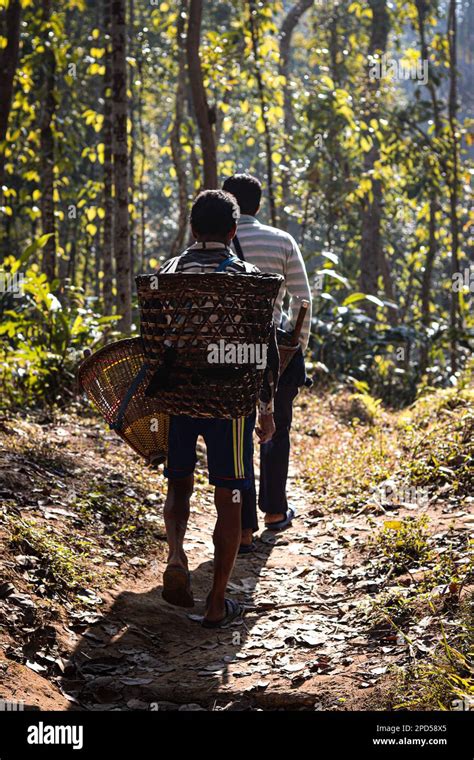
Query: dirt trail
299,644
291,648
307,639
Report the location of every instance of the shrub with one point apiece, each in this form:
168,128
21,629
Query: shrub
43,336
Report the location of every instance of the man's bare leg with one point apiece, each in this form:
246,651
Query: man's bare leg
176,581
176,514
247,537
227,534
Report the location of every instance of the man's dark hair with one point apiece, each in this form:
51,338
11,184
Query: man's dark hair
214,212
247,190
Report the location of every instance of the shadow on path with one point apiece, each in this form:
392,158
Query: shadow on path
146,654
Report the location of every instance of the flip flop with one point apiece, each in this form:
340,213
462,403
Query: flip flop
281,524
233,611
247,548
177,586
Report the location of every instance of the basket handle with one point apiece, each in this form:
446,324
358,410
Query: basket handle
117,425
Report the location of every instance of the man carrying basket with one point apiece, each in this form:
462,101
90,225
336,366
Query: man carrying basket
229,442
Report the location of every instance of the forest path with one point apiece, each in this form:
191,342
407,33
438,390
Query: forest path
297,644
302,641
324,608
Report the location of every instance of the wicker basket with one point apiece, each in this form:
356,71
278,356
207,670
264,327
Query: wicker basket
114,379
182,317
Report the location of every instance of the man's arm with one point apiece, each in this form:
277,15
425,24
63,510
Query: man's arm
297,286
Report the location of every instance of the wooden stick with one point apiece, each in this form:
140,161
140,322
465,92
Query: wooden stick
299,322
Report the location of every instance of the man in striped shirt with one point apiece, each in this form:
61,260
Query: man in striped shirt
275,251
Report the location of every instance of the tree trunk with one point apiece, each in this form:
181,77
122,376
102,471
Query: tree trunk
453,181
10,29
263,106
388,287
97,264
288,26
48,108
176,146
193,158
71,268
141,173
121,227
427,278
423,9
132,109
370,255
201,107
333,145
107,253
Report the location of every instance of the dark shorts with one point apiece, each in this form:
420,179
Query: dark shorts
229,446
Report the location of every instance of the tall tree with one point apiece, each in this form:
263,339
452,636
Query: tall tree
253,15
290,22
453,184
107,133
176,147
205,117
422,9
10,29
121,227
141,171
132,116
47,147
370,253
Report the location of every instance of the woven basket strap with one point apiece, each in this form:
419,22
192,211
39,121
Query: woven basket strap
238,248
117,425
224,264
173,268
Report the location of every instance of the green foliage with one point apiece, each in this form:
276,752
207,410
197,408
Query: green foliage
446,455
364,407
65,568
404,543
123,517
439,432
347,344
324,123
43,336
444,680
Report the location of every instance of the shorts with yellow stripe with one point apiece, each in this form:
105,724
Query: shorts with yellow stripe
229,446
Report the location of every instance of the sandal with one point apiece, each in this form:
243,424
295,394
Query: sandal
233,611
281,524
177,586
247,548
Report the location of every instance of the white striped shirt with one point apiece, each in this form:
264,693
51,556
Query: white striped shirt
275,251
203,258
